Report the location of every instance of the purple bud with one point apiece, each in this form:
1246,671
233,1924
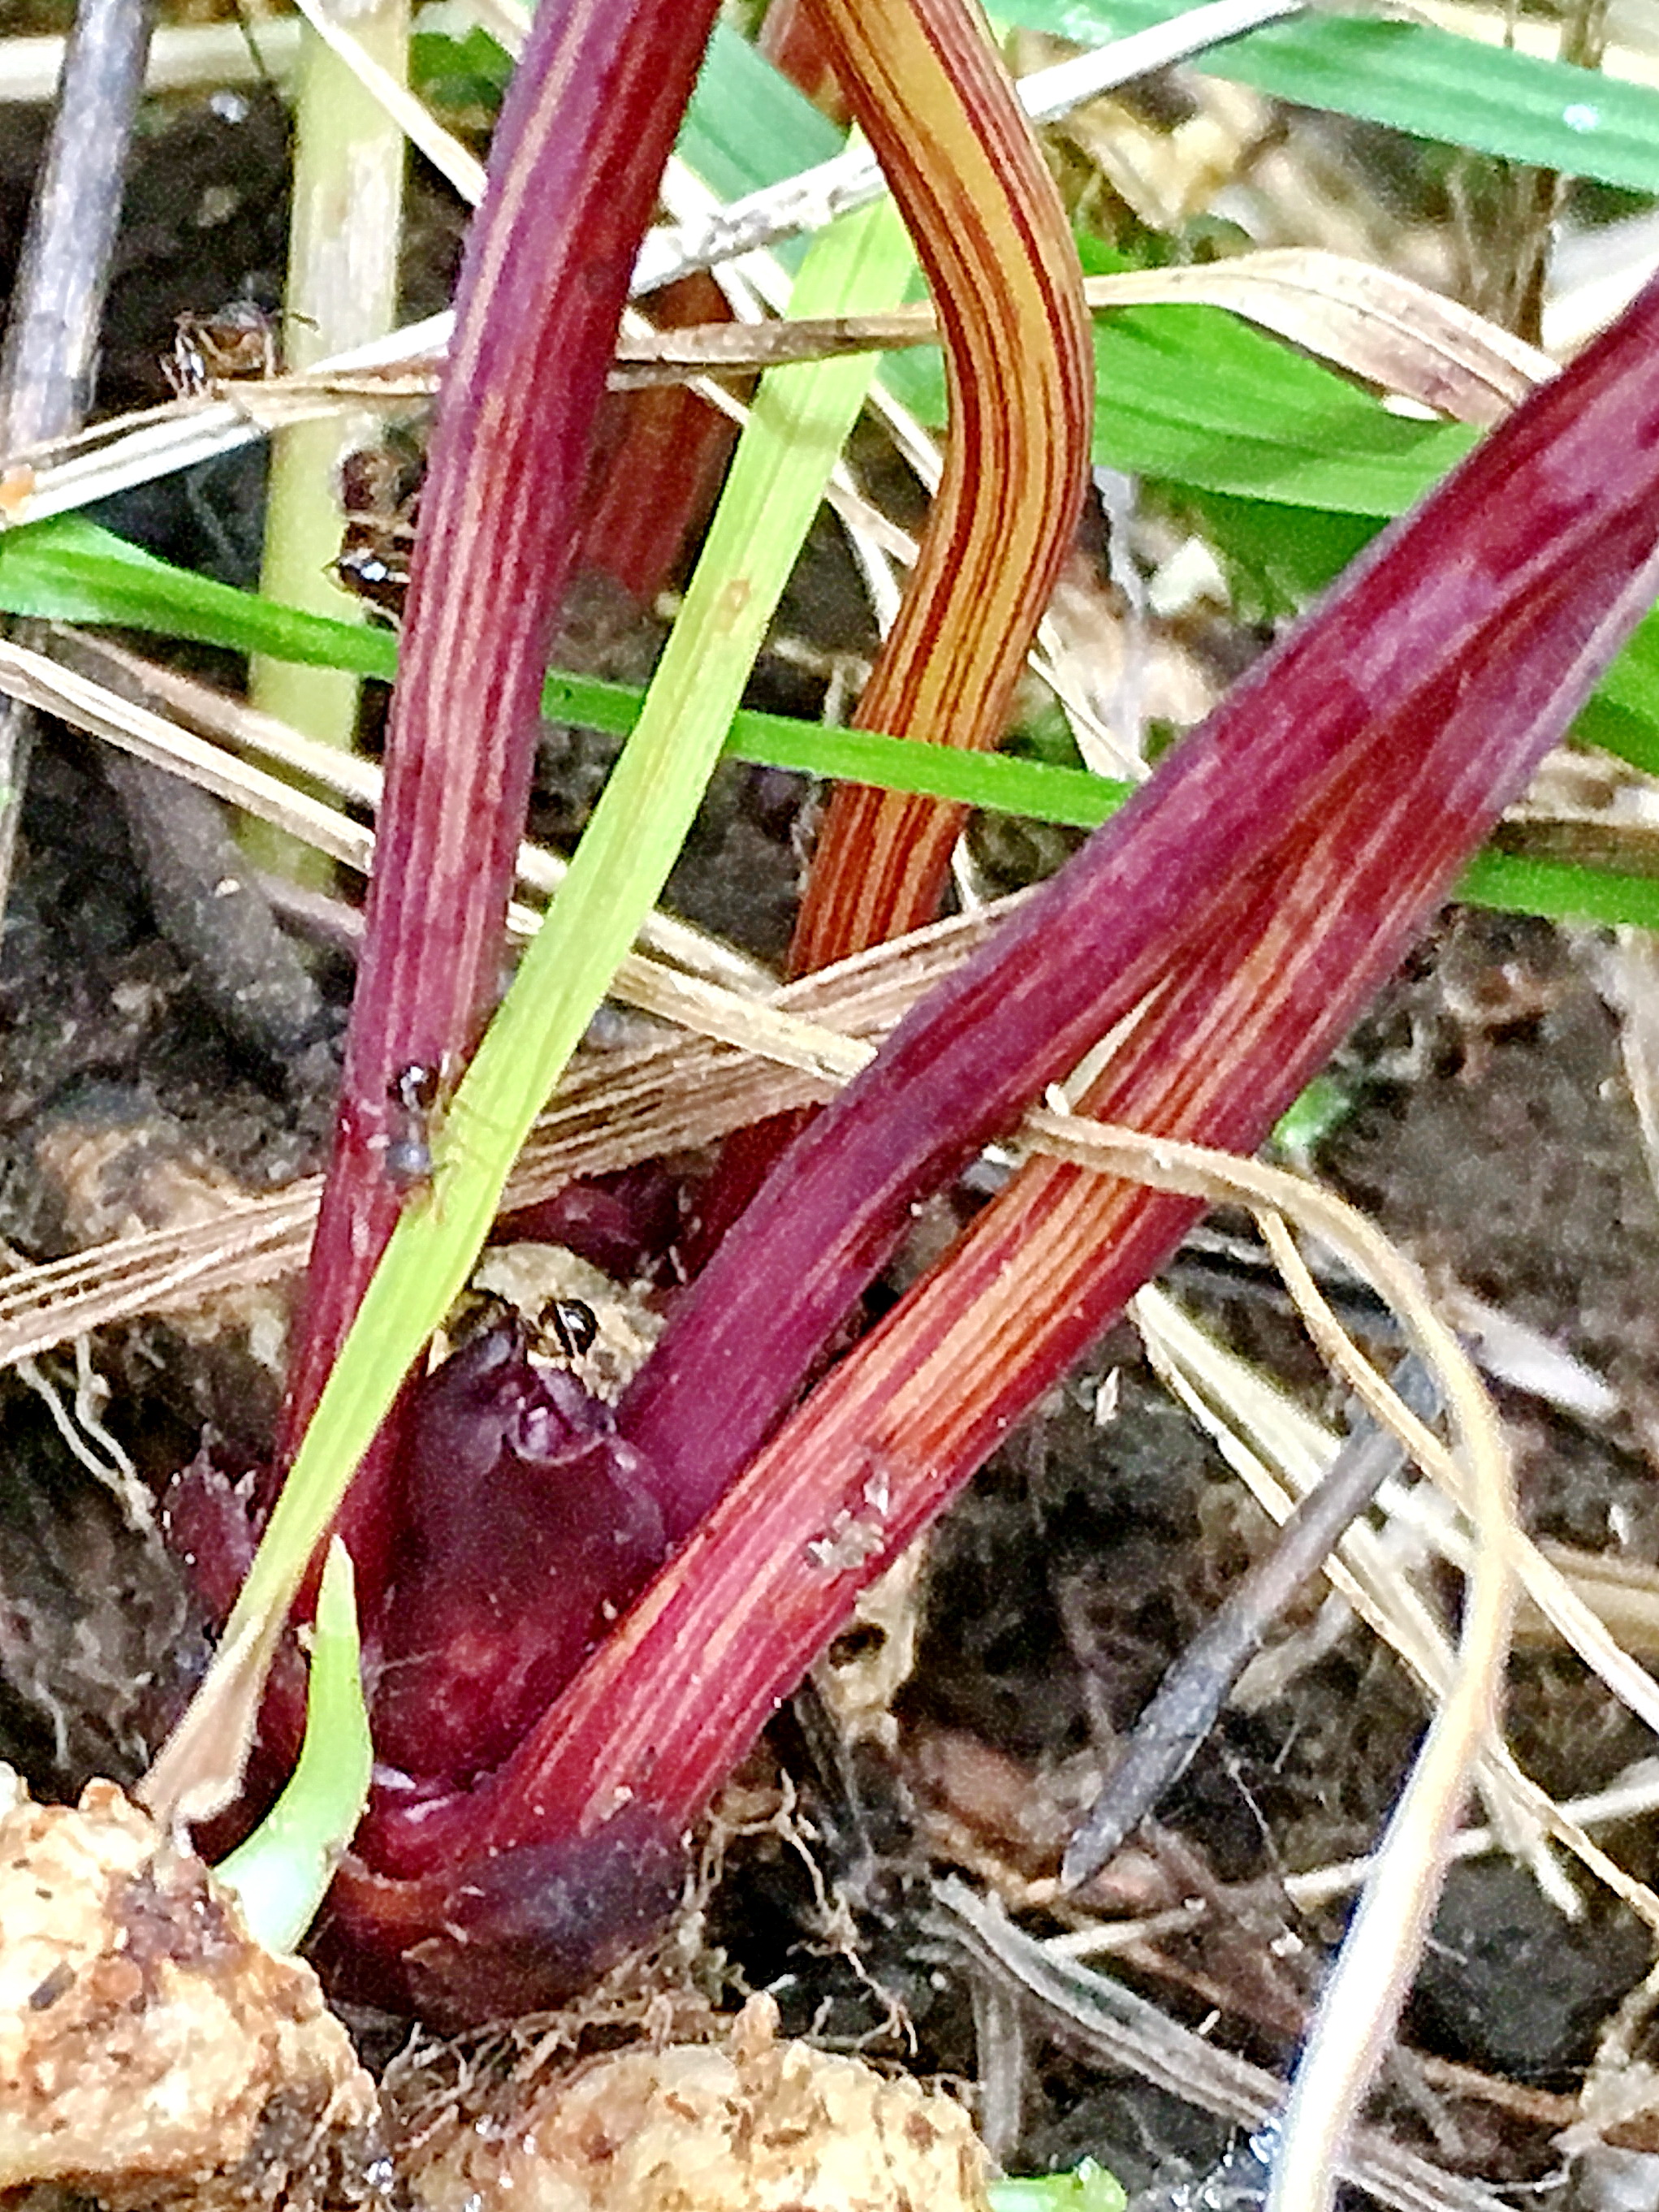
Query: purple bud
530,1524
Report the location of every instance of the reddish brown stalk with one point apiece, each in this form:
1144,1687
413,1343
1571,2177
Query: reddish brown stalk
1255,893
659,457
792,41
1505,593
669,1702
1552,504
925,85
587,127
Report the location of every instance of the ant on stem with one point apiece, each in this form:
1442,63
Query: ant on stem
413,1098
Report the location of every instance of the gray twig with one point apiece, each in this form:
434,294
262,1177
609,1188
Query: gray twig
1183,1710
51,339
214,915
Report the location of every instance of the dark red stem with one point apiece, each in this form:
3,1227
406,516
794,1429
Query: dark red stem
1259,888
587,127
1559,500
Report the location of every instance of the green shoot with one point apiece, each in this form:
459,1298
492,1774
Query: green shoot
1087,2188
797,428
279,1876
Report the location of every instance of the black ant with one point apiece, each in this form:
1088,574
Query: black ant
381,493
565,1329
240,340
571,1324
411,1098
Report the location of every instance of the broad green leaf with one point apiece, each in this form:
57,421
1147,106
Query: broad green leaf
459,71
1413,77
747,126
1192,395
1196,396
1276,555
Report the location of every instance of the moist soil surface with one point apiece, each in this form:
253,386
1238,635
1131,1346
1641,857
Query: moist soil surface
1488,1124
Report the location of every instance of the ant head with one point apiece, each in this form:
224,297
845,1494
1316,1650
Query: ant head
570,1323
416,1086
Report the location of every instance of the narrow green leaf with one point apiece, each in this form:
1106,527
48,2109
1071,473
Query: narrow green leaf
1564,890
281,1873
796,429
69,570
1413,77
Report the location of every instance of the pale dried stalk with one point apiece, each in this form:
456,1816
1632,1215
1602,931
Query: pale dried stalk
614,1108
184,58
1633,1799
1362,1996
1373,1969
412,116
245,730
1278,1451
1384,327
1381,326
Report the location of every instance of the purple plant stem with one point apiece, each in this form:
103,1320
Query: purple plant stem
1387,732
584,134
1557,499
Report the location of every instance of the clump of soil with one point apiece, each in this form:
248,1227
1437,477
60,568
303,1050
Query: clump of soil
753,2124
150,2053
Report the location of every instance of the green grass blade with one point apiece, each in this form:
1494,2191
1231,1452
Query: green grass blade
1416,78
69,570
1563,891
776,482
281,1873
